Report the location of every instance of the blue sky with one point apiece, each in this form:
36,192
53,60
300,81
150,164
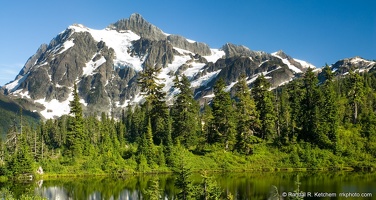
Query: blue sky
317,31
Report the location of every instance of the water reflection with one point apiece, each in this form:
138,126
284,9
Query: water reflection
239,185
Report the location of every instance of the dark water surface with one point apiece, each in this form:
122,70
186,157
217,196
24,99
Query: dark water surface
253,185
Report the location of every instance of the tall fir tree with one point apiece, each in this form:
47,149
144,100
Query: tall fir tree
224,120
155,104
185,114
284,116
247,117
311,112
329,110
355,93
76,136
265,106
295,92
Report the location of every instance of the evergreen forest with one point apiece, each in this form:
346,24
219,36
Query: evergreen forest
309,123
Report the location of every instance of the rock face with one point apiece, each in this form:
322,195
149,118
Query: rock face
232,50
105,65
160,53
195,47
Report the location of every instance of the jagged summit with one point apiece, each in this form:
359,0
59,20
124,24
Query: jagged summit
138,25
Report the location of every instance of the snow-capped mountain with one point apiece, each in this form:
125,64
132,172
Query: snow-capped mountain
105,65
357,64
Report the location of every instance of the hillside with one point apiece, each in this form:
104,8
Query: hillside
10,114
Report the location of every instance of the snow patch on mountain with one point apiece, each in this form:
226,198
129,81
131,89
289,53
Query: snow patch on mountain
166,75
138,98
67,45
192,71
228,88
305,64
261,62
13,86
91,66
190,41
22,94
286,61
119,41
54,107
216,54
204,80
356,59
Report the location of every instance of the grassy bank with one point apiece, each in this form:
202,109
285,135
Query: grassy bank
265,157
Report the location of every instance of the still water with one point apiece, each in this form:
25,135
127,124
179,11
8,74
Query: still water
255,185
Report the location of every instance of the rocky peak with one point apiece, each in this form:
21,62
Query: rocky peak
233,50
282,54
137,24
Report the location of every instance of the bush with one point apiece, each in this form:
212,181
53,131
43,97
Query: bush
52,166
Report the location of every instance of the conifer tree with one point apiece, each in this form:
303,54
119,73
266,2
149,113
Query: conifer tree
284,116
224,118
184,114
155,103
295,97
76,133
128,114
136,124
311,111
355,93
106,141
264,104
329,110
207,127
146,145
21,160
247,116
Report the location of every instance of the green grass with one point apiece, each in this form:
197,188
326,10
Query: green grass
266,157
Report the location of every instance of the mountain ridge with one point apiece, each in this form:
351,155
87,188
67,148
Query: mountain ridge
105,65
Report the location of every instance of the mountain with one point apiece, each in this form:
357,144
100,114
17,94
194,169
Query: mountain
357,64
105,65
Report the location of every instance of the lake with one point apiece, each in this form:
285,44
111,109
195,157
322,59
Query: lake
252,185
